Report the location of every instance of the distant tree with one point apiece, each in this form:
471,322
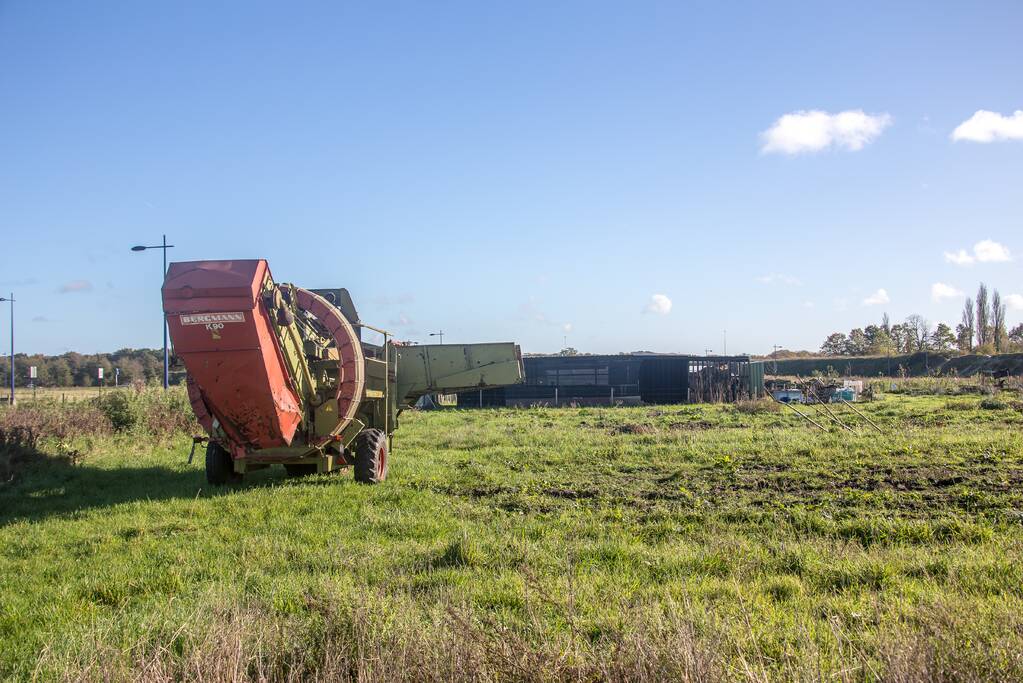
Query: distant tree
878,341
982,329
881,345
899,338
886,324
871,332
132,370
917,331
856,344
835,345
58,373
966,327
942,339
964,338
998,333
1016,335
75,369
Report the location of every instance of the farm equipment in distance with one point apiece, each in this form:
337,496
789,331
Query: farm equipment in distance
278,374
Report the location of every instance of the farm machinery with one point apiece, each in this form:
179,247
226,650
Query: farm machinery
278,374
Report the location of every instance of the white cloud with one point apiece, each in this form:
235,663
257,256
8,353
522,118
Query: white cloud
988,251
985,251
813,131
659,304
990,126
960,258
779,278
877,298
940,291
566,328
1014,302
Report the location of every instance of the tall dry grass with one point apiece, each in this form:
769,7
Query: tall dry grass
36,430
374,638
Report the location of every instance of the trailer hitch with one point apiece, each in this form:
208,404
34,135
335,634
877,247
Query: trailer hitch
196,440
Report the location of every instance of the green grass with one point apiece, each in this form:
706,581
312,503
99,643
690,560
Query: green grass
657,542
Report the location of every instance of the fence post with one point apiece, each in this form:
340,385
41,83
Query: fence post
555,396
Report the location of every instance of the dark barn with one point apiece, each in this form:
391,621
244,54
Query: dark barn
628,379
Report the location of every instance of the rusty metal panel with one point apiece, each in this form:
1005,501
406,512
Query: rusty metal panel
221,331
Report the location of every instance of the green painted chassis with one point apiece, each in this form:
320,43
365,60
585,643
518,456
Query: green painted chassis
395,376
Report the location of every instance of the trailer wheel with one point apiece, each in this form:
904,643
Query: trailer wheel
219,466
371,457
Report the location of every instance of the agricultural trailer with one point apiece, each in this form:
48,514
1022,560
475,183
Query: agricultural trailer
280,375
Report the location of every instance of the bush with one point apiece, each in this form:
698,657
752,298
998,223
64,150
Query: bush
21,430
122,408
993,404
137,410
148,410
57,421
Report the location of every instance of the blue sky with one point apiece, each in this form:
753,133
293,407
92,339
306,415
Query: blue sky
516,171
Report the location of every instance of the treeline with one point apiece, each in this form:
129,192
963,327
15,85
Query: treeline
982,330
81,370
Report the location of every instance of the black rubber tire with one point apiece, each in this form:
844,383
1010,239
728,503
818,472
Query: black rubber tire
300,470
371,456
219,466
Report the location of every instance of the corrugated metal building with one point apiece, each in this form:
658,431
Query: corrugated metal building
629,379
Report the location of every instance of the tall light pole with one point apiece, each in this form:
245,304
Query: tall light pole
438,334
163,274
11,301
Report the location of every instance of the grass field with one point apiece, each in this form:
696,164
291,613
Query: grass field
25,395
675,542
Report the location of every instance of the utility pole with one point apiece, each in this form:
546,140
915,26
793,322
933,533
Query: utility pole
11,300
438,334
724,342
166,356
774,354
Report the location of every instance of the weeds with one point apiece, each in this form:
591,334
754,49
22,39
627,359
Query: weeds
993,404
148,410
758,406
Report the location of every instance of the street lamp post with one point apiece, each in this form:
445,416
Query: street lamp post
11,301
166,355
438,334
